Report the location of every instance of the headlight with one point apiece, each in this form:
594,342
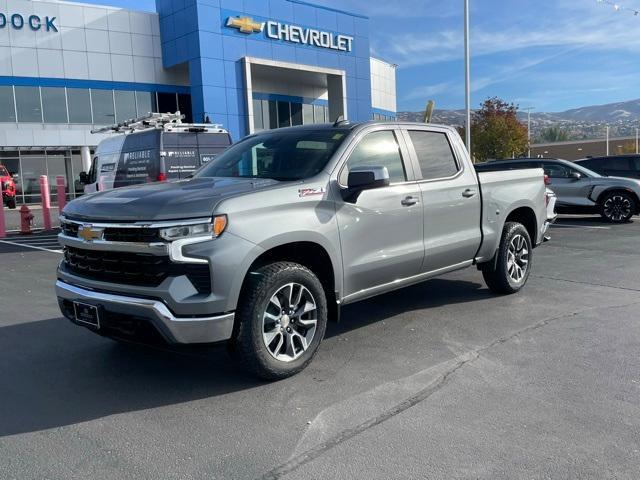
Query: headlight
211,229
6,185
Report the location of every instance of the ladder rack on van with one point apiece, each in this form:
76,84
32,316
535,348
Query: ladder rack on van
171,122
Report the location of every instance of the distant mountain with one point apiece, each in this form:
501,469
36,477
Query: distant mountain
579,123
611,112
601,113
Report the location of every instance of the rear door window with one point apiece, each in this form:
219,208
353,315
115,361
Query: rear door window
435,154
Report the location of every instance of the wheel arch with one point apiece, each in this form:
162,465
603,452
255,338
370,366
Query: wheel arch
527,217
610,190
307,253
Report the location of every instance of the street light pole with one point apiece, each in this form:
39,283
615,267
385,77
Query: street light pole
467,74
607,140
637,142
528,109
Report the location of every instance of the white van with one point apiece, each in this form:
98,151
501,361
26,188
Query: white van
152,149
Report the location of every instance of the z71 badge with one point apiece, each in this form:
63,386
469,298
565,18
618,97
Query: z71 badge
310,192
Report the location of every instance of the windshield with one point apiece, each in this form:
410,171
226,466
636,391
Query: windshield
285,155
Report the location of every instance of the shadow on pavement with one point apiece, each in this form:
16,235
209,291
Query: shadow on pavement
587,221
53,373
430,294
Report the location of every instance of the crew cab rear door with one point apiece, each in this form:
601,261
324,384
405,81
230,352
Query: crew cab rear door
450,196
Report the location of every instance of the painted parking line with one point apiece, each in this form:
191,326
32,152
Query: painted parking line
33,247
588,227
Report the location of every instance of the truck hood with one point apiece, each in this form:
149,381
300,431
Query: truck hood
194,198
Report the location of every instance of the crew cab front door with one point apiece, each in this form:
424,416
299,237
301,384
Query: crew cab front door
450,197
381,232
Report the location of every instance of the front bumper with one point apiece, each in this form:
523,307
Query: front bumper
172,328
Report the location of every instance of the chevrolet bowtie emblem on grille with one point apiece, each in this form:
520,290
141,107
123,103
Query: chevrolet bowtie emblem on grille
245,24
89,234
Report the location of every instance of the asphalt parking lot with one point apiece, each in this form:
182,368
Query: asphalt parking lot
440,380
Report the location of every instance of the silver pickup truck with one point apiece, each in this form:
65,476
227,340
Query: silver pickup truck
267,241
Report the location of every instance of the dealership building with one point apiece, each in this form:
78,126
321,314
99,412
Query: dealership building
68,68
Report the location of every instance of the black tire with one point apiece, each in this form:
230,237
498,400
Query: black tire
499,274
617,207
248,347
11,203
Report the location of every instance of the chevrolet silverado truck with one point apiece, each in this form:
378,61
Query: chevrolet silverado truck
265,244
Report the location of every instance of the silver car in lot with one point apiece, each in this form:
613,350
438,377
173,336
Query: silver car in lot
580,190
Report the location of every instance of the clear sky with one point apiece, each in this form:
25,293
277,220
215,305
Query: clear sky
549,54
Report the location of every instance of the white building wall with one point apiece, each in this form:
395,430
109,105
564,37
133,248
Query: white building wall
383,85
92,43
97,43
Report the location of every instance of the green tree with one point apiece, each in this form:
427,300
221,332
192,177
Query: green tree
554,134
496,132
627,147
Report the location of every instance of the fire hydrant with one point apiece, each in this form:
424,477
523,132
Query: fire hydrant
26,220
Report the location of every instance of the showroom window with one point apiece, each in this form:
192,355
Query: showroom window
270,114
79,102
82,106
146,102
125,105
167,102
102,102
7,108
28,104
54,104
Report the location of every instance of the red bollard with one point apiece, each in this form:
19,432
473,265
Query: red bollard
26,219
62,193
3,225
46,202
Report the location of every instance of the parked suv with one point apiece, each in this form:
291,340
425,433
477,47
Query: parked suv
614,166
273,236
8,188
579,189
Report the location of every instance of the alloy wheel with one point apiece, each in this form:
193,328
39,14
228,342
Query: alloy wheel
617,208
518,258
289,322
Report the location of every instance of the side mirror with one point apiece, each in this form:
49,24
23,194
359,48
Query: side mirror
84,178
367,178
575,175
364,178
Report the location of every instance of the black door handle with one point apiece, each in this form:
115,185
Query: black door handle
409,201
468,193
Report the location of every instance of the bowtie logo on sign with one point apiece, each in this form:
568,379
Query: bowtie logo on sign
245,24
292,33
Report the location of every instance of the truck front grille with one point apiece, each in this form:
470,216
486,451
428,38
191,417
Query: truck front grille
133,268
119,234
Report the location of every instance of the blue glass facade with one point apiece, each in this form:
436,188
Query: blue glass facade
198,33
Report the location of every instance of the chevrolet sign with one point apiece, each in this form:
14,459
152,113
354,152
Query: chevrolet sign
293,33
